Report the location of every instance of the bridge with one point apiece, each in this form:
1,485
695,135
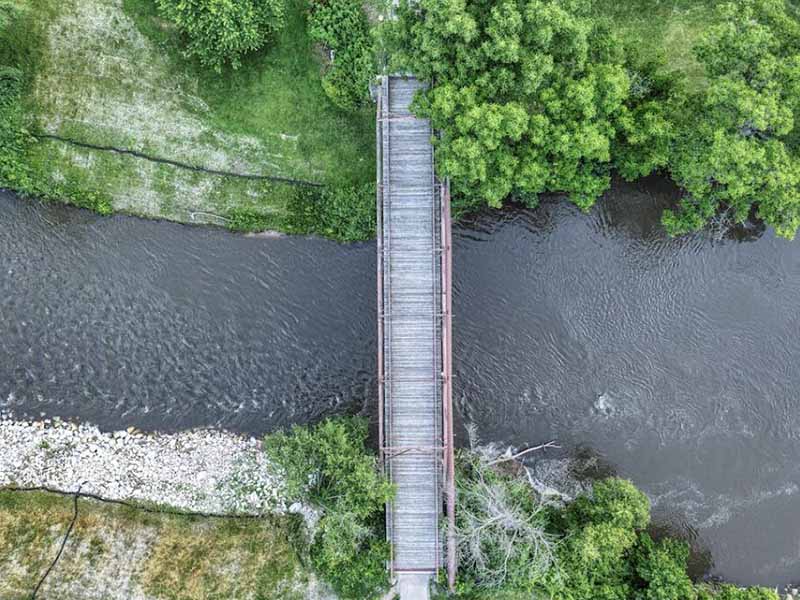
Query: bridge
414,343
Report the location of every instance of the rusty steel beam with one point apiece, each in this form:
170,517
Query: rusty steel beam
379,236
447,383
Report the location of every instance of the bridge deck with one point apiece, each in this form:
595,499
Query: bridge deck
410,273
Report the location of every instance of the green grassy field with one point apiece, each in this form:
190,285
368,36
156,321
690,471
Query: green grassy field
110,73
669,26
276,97
116,552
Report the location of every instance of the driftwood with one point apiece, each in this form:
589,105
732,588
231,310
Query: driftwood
518,455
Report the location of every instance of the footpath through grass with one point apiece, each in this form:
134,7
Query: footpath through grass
117,552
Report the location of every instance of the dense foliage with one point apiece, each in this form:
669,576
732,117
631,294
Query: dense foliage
342,28
527,94
341,212
594,548
220,32
738,143
539,95
328,467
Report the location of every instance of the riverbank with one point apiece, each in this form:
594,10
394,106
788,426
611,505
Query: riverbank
106,113
203,471
186,516
113,552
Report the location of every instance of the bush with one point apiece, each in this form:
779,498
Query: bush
341,26
14,138
248,221
329,467
219,32
10,85
345,213
730,592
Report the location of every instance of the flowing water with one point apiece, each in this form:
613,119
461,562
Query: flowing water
673,361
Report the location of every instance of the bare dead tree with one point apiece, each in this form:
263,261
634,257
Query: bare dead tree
500,524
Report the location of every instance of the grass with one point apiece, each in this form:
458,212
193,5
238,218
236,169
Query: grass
111,73
669,26
120,552
276,96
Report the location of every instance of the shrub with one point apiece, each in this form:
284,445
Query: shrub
248,221
730,592
329,467
14,138
219,32
345,213
10,85
341,26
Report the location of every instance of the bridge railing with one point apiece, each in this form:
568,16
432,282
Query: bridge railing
443,447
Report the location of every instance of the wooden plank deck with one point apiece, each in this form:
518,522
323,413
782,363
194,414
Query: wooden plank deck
411,298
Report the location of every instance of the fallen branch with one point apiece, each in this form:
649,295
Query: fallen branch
501,459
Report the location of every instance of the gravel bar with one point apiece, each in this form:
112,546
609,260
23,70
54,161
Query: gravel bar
202,470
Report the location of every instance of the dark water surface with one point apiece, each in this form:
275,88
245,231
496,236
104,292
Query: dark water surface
674,360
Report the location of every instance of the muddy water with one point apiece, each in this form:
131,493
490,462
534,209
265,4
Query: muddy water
673,361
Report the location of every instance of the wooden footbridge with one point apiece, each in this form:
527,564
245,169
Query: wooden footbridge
414,342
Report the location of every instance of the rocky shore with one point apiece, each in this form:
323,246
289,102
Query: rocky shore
205,471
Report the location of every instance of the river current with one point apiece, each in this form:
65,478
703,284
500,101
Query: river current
672,360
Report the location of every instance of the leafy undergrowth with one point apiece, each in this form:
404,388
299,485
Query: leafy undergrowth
122,552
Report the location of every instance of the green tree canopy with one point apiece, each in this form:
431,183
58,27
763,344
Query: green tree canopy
737,147
219,32
526,95
342,27
329,467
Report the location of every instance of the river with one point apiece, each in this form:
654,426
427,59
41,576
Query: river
673,360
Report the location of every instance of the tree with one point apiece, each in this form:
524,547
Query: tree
500,529
646,129
341,26
737,146
219,32
661,570
599,532
329,467
527,94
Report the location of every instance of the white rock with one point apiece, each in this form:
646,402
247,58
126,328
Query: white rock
192,470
